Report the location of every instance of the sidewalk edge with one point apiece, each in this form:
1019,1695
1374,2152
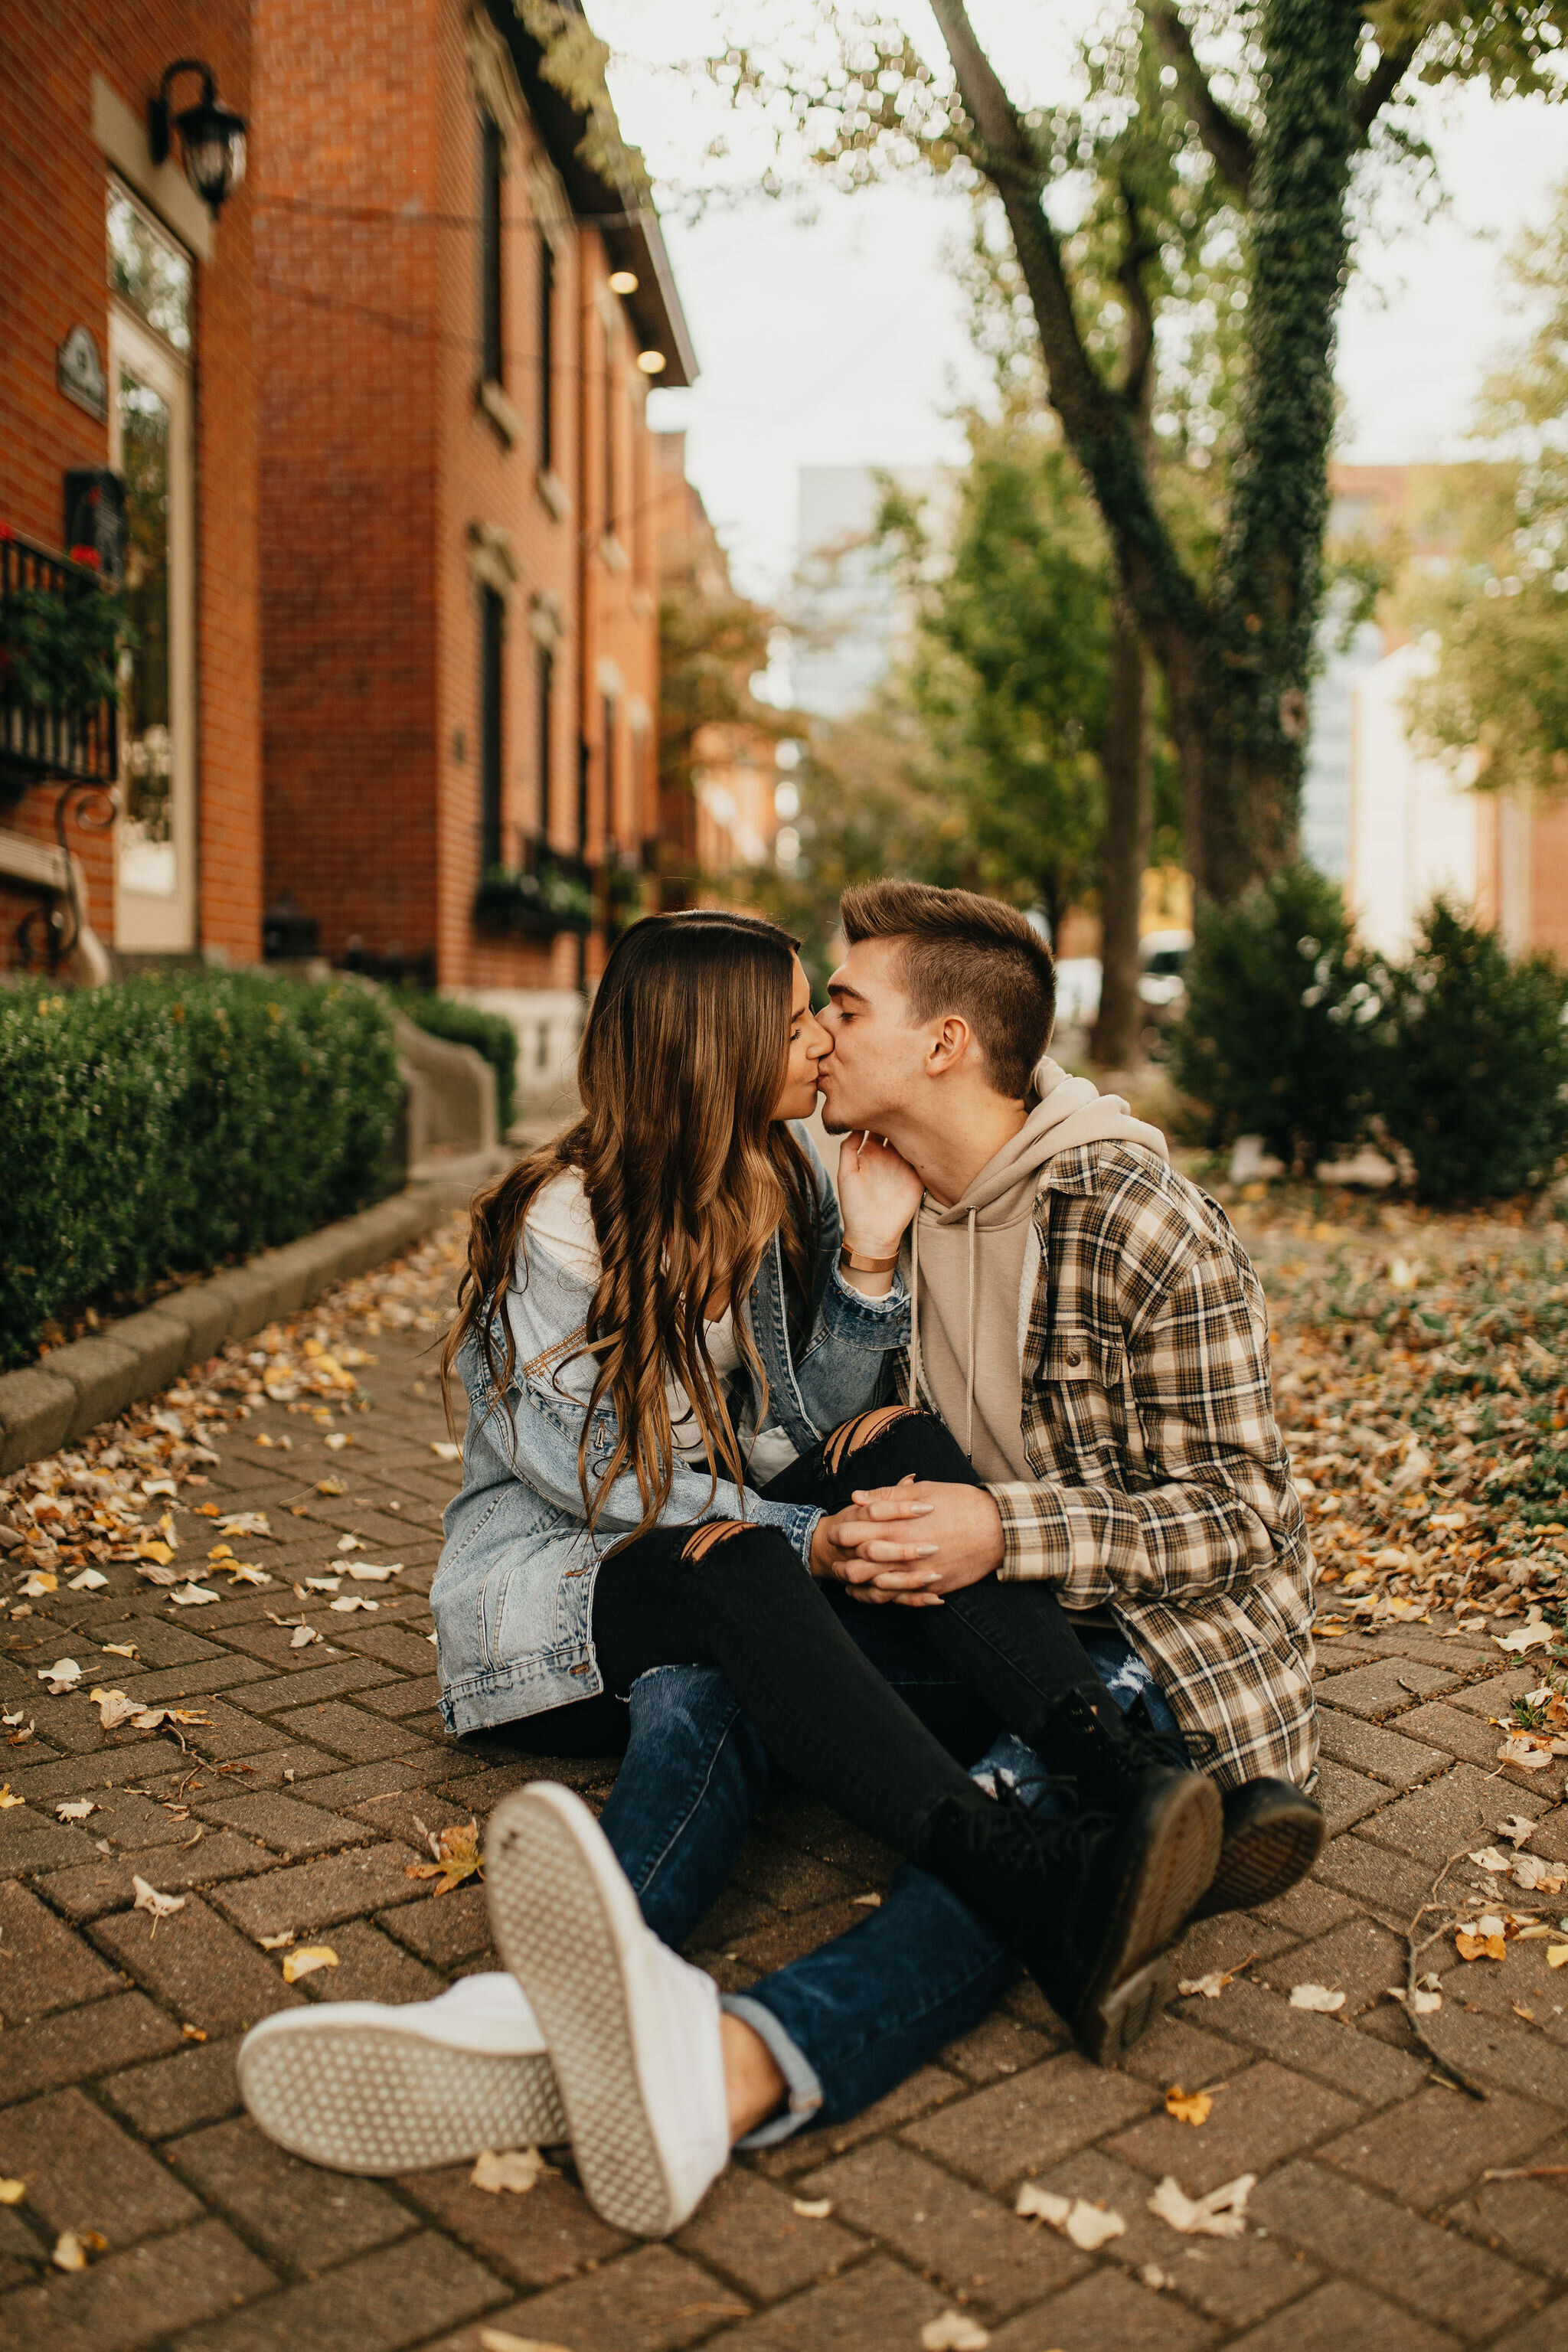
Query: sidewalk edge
43,1406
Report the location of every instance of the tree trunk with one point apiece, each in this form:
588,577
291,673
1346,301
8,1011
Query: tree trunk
1124,852
1237,663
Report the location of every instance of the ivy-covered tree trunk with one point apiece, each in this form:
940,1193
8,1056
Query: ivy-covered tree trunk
1124,847
1237,661
1248,727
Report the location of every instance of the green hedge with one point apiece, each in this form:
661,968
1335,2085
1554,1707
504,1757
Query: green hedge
1456,1059
176,1122
489,1034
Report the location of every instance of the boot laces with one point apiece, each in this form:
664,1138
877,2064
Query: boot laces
1011,1831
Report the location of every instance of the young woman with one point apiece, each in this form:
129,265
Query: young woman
660,1310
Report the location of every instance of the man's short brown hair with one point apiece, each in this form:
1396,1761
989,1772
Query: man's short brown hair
962,953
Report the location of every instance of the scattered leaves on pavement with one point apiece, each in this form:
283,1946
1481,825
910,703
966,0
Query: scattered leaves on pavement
1087,2225
1188,2107
1221,2214
149,1899
75,1809
513,2169
12,2191
954,2331
1318,1997
307,1960
63,1676
456,1856
812,2208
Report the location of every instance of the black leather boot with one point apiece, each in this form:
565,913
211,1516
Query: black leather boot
1090,1904
1273,1835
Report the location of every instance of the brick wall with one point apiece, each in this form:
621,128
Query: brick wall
52,277
388,485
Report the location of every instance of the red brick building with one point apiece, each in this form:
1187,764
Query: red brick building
461,323
128,316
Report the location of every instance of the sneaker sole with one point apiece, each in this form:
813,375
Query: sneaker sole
370,2098
1175,1864
555,1927
1265,1858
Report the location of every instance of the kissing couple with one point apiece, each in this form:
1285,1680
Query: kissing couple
954,1498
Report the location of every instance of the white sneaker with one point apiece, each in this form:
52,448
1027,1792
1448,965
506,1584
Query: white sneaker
369,2087
632,2029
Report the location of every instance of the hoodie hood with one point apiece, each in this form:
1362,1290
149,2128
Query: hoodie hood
973,1269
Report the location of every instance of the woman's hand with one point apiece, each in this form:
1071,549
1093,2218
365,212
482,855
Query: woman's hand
878,1192
879,1550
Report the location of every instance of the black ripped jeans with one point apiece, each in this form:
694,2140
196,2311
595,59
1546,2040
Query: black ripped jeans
750,1609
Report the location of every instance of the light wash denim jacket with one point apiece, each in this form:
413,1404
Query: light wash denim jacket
514,1589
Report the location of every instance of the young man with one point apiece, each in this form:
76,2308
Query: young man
1087,1328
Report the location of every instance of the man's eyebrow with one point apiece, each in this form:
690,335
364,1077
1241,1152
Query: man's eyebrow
842,988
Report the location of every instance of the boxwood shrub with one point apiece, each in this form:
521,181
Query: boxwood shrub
177,1121
489,1034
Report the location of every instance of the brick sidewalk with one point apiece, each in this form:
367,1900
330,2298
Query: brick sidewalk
292,1808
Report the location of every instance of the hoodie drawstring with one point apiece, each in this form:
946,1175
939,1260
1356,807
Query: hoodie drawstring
915,1307
969,1384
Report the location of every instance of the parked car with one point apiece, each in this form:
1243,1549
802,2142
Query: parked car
1161,964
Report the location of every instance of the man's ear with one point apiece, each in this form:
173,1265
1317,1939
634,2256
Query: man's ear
948,1046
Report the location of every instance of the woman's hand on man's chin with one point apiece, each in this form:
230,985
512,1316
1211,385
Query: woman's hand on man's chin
878,1193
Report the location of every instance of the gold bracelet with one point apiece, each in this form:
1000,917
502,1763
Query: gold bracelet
858,1265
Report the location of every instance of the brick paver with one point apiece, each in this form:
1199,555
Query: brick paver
295,1808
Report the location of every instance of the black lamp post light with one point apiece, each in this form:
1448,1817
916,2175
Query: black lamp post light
212,136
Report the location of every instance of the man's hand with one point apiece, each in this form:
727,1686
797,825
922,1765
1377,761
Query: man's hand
961,1523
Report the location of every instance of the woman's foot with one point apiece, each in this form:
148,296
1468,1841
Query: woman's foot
1091,1904
369,2087
634,2031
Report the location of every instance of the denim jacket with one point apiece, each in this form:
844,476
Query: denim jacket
513,1592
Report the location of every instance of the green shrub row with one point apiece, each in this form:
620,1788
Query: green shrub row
1456,1060
489,1034
176,1122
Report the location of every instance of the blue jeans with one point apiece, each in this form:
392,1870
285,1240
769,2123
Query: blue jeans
847,2023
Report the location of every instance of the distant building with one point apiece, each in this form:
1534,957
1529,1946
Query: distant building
1394,827
127,429
461,322
719,815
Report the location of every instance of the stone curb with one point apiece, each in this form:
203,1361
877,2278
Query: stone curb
45,1405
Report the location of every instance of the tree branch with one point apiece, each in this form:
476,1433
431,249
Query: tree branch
1227,139
1101,428
1380,86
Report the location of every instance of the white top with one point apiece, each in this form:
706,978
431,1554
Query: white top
561,1221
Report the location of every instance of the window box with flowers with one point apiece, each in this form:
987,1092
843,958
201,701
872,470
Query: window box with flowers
548,894
61,634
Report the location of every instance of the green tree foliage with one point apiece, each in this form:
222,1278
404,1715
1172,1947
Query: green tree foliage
1499,615
1475,1076
1295,92
1278,1036
1007,677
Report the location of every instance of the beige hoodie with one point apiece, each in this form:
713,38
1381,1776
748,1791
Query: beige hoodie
972,1269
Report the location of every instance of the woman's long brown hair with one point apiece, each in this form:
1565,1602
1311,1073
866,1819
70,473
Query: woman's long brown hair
687,1177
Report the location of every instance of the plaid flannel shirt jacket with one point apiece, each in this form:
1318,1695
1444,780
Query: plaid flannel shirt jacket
1162,1486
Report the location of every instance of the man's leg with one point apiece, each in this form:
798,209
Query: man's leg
847,2023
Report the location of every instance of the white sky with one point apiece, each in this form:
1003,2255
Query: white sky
838,339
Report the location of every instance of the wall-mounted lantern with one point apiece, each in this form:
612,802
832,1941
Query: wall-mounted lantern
212,136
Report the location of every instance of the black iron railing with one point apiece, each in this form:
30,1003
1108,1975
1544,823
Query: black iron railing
44,742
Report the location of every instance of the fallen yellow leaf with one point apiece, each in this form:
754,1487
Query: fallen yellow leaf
516,2168
7,1798
1556,1954
458,1856
1481,1947
1188,2107
307,1960
12,2191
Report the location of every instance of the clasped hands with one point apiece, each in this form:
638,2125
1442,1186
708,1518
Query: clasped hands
911,1543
